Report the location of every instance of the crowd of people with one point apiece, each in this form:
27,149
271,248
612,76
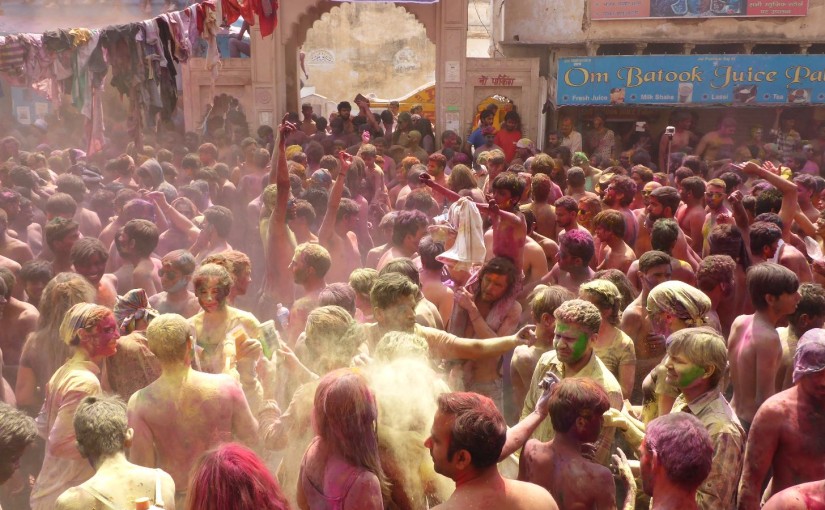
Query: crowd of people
349,313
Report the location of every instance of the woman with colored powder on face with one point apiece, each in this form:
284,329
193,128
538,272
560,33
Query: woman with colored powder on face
612,345
217,319
341,468
91,332
671,307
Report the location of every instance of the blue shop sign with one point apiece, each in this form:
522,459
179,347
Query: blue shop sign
739,80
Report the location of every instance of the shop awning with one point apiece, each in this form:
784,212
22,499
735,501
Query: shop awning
696,80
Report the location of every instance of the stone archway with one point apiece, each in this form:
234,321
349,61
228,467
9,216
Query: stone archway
344,55
276,70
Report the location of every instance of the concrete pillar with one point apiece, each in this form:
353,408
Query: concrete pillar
268,77
688,48
450,69
748,48
592,48
640,48
803,48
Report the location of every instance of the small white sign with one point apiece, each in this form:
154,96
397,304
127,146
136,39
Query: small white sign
24,115
452,71
452,121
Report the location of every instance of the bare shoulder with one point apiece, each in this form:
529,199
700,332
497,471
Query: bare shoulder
530,495
74,498
793,498
521,355
776,406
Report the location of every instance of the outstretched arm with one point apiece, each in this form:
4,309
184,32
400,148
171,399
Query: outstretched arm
179,221
790,193
518,434
328,225
279,175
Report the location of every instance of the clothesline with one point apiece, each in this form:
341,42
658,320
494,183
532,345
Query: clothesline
143,56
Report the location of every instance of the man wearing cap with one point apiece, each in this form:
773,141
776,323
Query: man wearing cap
509,135
525,149
786,434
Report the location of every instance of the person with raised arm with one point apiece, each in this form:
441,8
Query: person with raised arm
337,232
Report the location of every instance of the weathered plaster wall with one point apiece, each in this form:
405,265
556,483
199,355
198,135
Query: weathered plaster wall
566,22
378,49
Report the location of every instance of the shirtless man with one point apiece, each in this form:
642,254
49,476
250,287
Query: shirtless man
676,457
567,214
436,165
715,278
432,287
17,320
619,195
547,245
176,269
89,258
809,314
309,268
135,243
786,433
717,146
664,236
576,409
767,245
470,459
576,249
10,247
278,242
806,184
691,214
301,221
510,228
609,227
540,188
61,234
103,436
21,219
184,412
643,237
754,349
489,311
655,267
88,221
715,196
544,303
384,231
212,238
576,180
408,229
337,232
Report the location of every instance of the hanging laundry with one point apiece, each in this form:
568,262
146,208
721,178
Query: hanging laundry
267,11
234,9
13,52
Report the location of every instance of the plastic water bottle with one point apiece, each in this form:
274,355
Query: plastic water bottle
282,314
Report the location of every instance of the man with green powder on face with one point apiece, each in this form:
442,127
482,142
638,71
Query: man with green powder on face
577,325
697,362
